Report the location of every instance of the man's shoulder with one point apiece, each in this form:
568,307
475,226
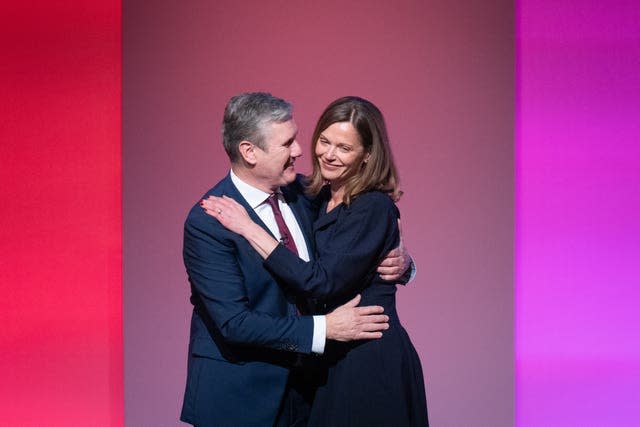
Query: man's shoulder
196,213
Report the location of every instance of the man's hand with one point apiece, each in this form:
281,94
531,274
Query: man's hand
349,322
396,263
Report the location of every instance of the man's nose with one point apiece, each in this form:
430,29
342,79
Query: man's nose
296,150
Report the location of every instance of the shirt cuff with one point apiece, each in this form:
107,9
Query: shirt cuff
414,270
319,334
408,276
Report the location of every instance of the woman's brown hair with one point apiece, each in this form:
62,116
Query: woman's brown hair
379,172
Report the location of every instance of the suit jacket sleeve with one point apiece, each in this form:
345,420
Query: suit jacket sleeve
360,237
213,264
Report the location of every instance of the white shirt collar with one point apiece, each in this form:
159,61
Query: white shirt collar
256,199
251,194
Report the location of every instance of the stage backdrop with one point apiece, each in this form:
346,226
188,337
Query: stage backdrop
442,73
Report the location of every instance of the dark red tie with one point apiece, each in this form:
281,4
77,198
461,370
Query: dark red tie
285,235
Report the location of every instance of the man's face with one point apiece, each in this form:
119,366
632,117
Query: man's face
275,164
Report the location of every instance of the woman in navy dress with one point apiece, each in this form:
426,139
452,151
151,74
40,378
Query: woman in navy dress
368,383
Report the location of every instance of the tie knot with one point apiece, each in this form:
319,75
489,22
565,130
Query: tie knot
273,200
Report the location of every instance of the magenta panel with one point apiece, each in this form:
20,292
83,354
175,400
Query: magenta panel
578,198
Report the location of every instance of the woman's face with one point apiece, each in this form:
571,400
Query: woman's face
340,152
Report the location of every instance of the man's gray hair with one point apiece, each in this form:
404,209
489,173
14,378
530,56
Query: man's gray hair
246,117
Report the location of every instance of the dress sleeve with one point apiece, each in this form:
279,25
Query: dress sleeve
360,237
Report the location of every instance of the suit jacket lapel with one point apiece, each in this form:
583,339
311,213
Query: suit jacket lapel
302,211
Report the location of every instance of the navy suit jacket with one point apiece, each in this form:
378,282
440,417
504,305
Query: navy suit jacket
244,330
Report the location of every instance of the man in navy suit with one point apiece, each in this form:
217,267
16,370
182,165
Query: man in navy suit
246,332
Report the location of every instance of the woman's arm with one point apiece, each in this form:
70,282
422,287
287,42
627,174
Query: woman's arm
348,250
234,217
363,233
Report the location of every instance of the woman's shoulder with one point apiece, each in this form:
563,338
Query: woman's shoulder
372,210
376,201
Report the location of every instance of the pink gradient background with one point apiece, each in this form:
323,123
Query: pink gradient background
443,75
578,228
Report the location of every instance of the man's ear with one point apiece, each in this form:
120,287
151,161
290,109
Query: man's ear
248,152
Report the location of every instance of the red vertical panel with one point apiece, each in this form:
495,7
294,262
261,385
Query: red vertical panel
60,214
